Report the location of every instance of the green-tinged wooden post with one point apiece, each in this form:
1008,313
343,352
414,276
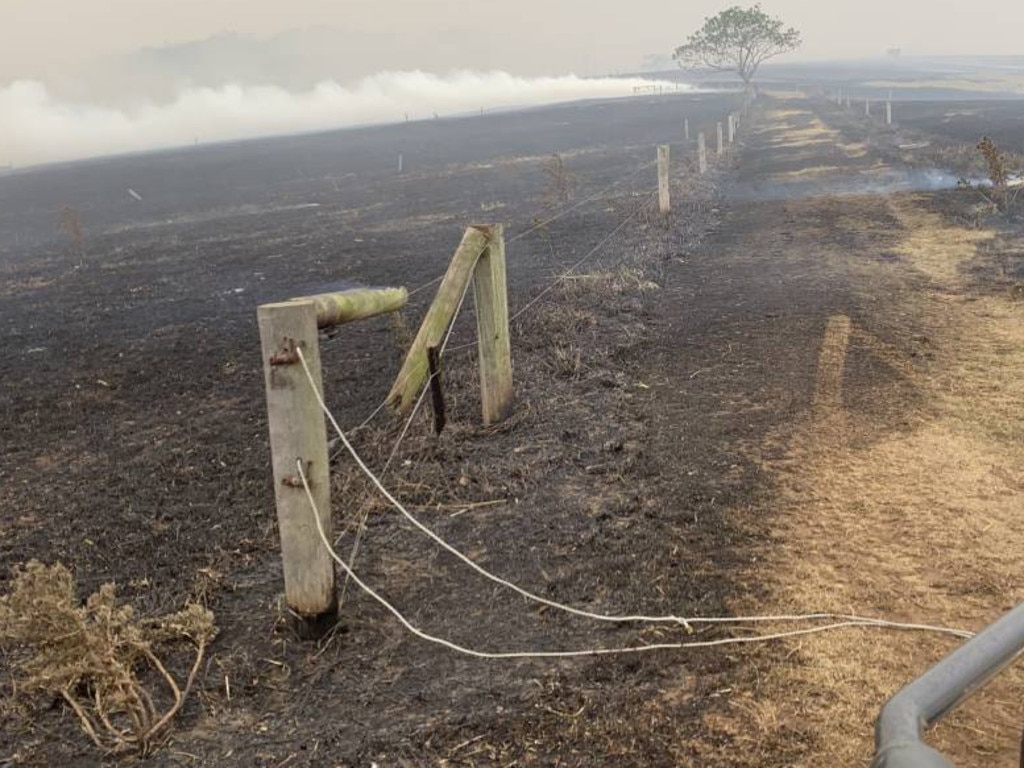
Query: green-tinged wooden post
490,295
720,146
702,153
356,304
298,433
414,372
664,203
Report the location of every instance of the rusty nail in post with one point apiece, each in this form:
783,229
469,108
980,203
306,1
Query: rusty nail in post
287,355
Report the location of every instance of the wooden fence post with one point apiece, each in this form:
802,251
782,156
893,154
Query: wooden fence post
702,153
867,106
490,295
720,146
686,128
888,113
298,433
414,370
664,203
732,128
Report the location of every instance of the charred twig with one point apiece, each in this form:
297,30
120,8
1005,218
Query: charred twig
436,390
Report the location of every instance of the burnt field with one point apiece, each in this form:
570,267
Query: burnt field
739,409
135,450
968,121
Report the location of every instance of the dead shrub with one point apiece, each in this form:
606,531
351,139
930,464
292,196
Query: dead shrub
69,223
994,161
561,182
92,656
567,361
999,174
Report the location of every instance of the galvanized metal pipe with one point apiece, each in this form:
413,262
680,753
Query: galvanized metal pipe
922,703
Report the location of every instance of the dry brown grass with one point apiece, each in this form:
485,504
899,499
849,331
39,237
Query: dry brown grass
933,245
608,283
919,524
95,657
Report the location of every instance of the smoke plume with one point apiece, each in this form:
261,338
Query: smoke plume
36,128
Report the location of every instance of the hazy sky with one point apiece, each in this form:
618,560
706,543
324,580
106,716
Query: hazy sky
521,36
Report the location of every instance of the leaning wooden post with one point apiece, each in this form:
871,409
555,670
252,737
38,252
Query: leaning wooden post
720,147
490,296
702,153
686,128
414,372
298,433
664,204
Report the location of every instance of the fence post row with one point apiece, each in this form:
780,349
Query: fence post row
298,433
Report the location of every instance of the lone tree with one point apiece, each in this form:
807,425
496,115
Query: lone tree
737,40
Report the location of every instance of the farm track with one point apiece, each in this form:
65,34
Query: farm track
793,398
859,355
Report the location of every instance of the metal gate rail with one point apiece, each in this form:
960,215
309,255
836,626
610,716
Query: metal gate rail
918,706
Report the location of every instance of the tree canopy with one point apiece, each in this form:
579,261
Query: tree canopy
737,40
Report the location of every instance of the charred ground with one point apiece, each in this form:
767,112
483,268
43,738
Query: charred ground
663,398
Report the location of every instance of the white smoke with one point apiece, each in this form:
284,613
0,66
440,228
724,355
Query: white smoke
37,128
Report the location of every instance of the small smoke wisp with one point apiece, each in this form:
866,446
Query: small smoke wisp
37,128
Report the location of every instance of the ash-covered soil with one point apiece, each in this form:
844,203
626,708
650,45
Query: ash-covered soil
135,445
652,462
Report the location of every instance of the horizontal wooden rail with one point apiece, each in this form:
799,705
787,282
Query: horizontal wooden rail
355,304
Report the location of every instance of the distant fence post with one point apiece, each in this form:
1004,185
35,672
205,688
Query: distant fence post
720,146
664,203
686,128
298,433
490,295
867,106
732,128
702,153
847,101
888,112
